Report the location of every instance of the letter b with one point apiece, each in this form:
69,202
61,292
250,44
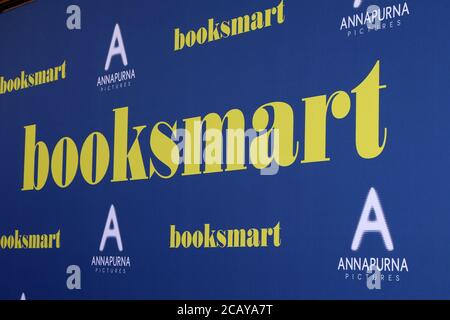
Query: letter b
2,85
179,40
175,238
29,161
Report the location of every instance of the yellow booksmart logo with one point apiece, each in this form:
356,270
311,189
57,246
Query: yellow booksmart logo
129,163
27,80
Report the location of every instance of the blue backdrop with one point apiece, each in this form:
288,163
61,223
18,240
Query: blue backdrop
318,205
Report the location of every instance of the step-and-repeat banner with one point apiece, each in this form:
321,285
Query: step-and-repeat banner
257,149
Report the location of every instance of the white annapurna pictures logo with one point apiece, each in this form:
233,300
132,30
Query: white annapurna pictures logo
111,264
116,48
378,225
122,78
360,268
373,18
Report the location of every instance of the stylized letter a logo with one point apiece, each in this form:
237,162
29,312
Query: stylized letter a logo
111,230
118,49
378,225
